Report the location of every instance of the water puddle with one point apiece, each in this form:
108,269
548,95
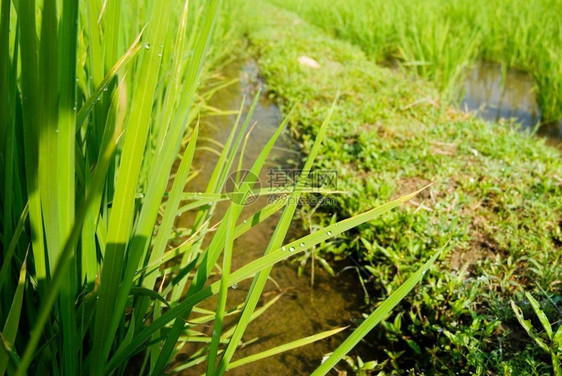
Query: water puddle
301,310
514,99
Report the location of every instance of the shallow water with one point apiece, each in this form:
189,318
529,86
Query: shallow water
484,93
301,310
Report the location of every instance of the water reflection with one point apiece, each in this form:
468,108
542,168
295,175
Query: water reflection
510,95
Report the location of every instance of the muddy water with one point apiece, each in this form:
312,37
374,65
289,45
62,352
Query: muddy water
301,310
513,96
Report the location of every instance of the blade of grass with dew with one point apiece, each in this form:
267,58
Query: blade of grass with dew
174,89
12,322
241,229
275,242
213,187
111,298
268,191
164,160
52,290
92,225
119,65
219,175
165,156
212,254
285,347
250,270
376,317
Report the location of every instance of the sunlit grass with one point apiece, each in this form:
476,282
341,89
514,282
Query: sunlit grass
99,99
440,39
497,195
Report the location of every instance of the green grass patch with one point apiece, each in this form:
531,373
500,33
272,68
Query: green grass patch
439,39
496,196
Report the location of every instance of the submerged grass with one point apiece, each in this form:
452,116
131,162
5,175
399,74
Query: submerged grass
497,195
440,39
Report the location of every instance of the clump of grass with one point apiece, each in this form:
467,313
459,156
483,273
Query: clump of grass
497,195
440,39
98,99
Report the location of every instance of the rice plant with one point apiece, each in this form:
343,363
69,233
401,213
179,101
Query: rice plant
440,39
98,100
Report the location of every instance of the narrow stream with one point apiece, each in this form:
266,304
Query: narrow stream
301,310
515,98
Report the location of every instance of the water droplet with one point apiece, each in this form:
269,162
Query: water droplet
283,248
99,98
292,249
302,244
245,221
77,79
74,108
235,286
57,130
160,54
105,89
329,233
214,332
147,46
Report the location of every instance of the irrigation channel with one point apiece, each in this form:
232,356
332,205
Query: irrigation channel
511,94
301,309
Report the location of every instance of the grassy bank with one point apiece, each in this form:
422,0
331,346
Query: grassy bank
440,39
496,199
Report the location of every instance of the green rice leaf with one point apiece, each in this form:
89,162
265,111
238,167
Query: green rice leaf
374,318
12,322
283,348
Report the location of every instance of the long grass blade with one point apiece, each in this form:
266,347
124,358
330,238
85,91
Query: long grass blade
285,347
109,309
249,271
12,322
374,318
274,243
